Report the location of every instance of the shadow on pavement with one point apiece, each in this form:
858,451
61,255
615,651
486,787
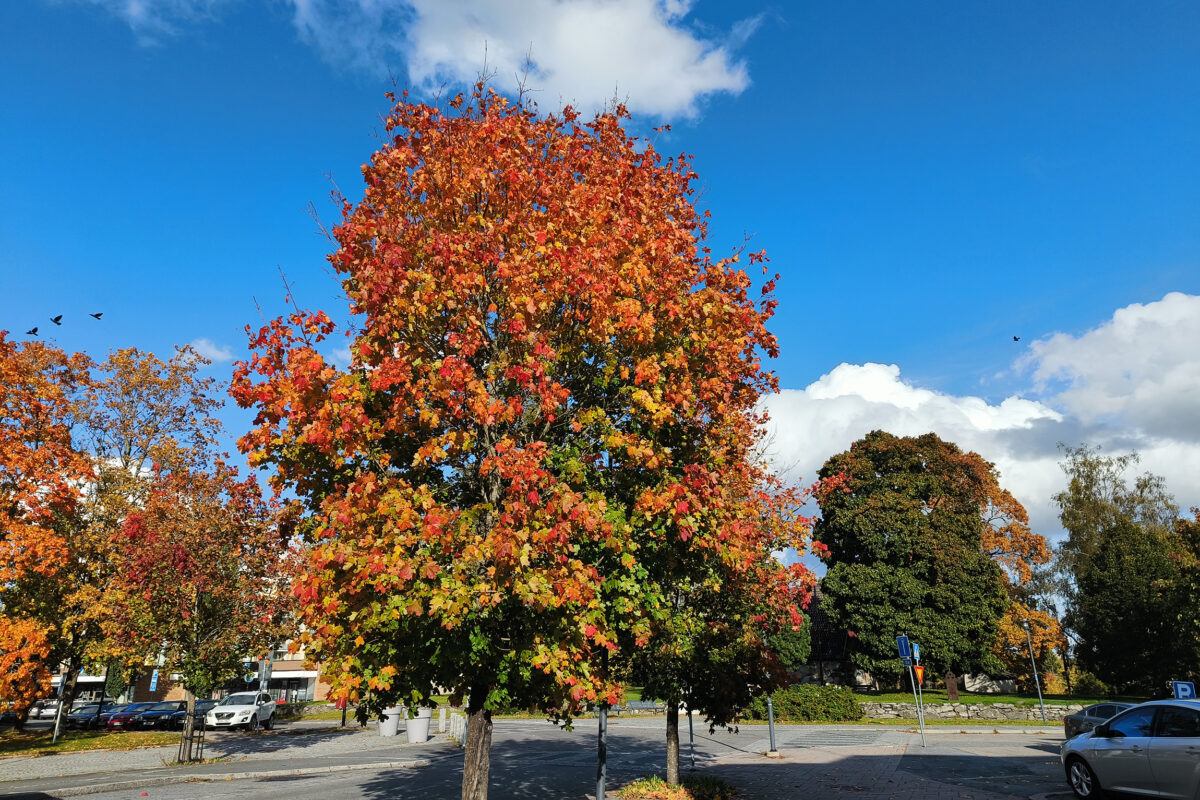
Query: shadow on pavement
518,773
238,743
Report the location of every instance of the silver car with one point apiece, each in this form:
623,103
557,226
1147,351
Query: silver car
1088,718
1151,749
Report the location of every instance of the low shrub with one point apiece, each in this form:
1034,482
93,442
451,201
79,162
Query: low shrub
809,703
691,787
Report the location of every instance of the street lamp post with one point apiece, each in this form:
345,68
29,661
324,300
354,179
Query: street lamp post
1033,661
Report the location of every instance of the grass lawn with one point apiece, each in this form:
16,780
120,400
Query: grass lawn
37,743
932,696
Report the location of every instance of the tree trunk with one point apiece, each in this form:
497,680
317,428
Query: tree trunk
187,740
477,751
673,743
66,696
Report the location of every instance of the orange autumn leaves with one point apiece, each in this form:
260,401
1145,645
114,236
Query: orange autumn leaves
549,376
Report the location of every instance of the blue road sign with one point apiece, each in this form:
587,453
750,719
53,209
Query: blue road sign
916,648
1184,690
154,680
902,643
907,662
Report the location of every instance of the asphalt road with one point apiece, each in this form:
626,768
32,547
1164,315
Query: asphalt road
533,759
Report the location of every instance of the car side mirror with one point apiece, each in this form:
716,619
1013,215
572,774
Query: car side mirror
1101,731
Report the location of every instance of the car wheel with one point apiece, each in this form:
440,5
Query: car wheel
1083,780
269,723
252,725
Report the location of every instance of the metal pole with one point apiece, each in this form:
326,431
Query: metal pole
920,719
771,723
1037,683
602,761
62,679
691,738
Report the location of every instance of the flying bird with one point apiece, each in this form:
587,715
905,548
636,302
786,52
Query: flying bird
1016,338
31,332
57,320
97,315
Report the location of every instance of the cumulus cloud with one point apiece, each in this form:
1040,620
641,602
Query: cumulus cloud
218,354
584,52
581,51
1140,369
810,425
1129,384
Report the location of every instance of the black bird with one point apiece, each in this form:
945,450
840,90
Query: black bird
1016,338
32,332
97,315
57,320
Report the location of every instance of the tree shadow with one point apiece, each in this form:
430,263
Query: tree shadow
232,743
519,771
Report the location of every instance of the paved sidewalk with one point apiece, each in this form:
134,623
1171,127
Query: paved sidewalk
316,745
533,759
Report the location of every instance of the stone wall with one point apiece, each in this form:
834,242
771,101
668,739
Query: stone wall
984,712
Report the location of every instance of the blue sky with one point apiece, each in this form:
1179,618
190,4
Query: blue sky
931,179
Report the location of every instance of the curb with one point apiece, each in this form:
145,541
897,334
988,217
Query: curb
142,783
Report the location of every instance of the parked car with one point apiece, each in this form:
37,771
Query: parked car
1088,718
84,717
202,708
43,709
159,714
247,710
1149,749
127,719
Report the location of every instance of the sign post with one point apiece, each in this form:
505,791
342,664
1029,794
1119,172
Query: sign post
906,656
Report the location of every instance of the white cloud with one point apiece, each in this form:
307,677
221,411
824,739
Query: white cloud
218,354
810,425
1140,369
582,51
1129,384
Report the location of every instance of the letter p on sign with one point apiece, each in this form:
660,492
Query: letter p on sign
1184,690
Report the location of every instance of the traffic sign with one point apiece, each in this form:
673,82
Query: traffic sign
916,648
920,673
1184,690
905,649
154,680
906,662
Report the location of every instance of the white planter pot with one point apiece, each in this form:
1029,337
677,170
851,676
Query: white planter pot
418,729
390,724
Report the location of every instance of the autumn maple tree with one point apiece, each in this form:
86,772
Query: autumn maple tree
41,471
203,578
549,378
81,441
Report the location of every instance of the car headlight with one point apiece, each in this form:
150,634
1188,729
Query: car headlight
245,715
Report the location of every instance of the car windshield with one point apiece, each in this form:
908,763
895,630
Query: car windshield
239,700
116,709
164,707
86,709
139,706
203,704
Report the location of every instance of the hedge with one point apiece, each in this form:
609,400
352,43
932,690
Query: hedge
809,703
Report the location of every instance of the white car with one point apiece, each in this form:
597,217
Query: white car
248,710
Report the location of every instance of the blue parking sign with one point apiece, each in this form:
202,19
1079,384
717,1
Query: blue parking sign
154,680
1184,690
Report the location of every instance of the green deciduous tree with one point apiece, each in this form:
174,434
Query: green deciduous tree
1120,569
921,540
